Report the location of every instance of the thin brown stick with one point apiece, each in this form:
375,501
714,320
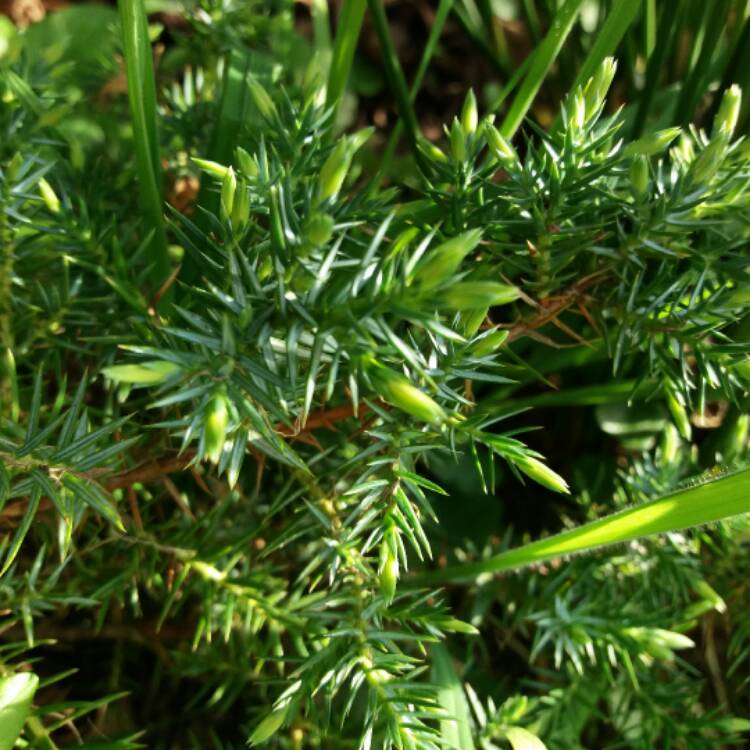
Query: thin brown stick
555,306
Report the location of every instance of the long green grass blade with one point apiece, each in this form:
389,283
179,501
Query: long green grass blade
532,19
16,693
649,27
142,98
546,54
695,506
696,83
470,19
670,22
321,27
232,106
441,15
345,43
496,32
230,114
455,731
737,71
513,81
394,73
619,20
630,391
23,529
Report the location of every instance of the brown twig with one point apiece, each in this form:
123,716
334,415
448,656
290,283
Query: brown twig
150,472
156,470
552,307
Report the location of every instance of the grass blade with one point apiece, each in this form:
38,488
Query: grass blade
456,730
619,20
142,98
230,115
543,59
232,106
16,694
321,26
532,19
514,80
395,74
347,34
670,22
696,83
649,28
441,15
695,506
23,528
737,71
471,21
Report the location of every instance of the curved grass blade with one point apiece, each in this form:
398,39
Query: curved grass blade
736,71
321,27
345,43
23,528
16,694
455,730
696,82
649,27
668,27
142,98
619,19
695,506
543,59
395,74
441,15
230,114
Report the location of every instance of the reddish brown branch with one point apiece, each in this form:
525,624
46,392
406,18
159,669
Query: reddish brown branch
553,307
156,470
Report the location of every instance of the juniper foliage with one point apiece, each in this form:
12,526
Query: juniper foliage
242,452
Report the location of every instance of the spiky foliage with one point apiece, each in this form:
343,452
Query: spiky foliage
241,464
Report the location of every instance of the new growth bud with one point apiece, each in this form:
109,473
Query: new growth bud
679,415
469,115
639,175
670,444
389,566
8,373
579,110
468,295
500,148
431,151
261,99
399,391
145,373
442,262
334,171
336,166
457,140
729,112
471,320
595,91
228,192
541,473
49,196
708,161
213,168
215,426
247,164
241,206
489,342
319,229
652,144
